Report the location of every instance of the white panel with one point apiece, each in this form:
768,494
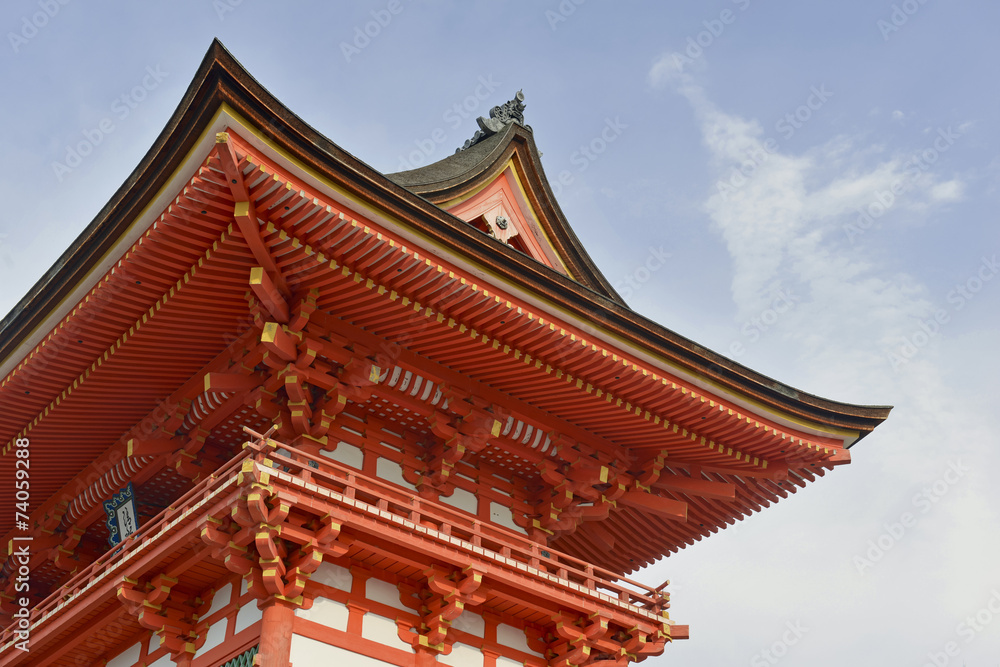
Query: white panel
334,576
384,592
463,500
514,638
215,636
329,613
507,662
247,616
310,653
383,630
347,454
391,471
154,643
503,516
223,596
471,623
127,658
462,656
164,661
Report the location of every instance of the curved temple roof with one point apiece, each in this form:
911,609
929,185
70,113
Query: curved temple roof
63,336
222,80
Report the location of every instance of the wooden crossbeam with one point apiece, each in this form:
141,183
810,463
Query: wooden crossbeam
268,294
230,165
230,382
151,446
665,507
279,341
697,487
441,374
245,213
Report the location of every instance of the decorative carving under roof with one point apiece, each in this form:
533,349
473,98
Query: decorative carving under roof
511,111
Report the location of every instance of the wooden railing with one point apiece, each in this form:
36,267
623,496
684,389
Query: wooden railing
214,486
356,487
452,522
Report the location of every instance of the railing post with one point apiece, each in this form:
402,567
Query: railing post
477,536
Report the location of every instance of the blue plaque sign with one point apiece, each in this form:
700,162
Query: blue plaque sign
122,518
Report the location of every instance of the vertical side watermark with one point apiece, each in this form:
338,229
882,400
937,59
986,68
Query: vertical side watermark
20,545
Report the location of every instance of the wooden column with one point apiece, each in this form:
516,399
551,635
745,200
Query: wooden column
276,634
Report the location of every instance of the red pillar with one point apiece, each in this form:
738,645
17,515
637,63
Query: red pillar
276,634
424,657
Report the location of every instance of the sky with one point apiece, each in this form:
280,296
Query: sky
823,179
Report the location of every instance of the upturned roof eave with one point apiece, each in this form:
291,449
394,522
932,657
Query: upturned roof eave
221,79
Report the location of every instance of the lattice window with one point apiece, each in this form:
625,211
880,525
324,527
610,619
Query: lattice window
244,659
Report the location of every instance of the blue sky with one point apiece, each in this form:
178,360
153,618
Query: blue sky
839,160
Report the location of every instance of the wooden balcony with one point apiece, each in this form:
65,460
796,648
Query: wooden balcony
384,527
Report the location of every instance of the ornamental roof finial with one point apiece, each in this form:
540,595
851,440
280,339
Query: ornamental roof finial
509,112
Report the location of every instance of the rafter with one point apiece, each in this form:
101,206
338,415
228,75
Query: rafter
245,212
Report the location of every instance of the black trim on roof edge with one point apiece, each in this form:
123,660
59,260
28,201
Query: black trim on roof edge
474,167
221,79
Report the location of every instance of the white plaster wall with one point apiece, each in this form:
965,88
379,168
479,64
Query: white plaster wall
326,612
471,623
126,658
502,515
223,596
383,630
507,662
384,592
513,638
215,635
247,616
308,652
164,661
334,576
347,454
462,656
391,471
463,500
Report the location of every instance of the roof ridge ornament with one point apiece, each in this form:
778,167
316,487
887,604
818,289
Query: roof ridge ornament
511,111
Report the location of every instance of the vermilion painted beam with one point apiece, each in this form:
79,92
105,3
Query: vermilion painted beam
697,487
230,165
265,290
93,627
279,341
244,211
151,446
439,373
665,507
230,382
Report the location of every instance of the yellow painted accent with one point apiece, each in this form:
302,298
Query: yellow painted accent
248,129
270,332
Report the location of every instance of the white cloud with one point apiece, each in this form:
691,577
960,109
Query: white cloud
948,191
784,224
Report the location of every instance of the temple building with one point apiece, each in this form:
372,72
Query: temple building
275,408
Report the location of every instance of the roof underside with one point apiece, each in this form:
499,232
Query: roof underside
171,306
